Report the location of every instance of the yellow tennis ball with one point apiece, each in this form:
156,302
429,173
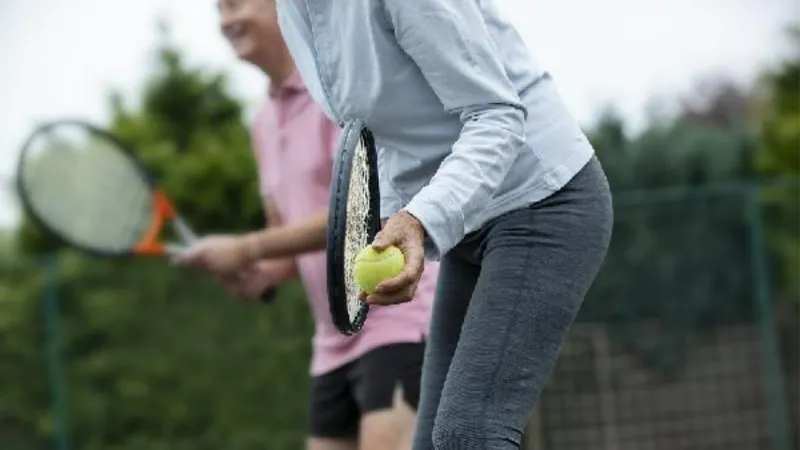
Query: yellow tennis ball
372,267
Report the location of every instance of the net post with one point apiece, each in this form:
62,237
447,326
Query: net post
55,364
775,386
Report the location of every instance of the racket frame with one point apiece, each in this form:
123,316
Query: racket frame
164,210
353,133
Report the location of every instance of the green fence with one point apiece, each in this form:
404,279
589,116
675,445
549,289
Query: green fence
688,340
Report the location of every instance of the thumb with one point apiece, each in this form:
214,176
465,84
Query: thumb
189,256
382,241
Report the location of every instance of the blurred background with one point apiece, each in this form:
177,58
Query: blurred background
688,340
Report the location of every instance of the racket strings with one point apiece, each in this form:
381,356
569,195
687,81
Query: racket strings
357,228
88,190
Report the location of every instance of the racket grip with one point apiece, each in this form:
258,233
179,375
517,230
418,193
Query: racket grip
268,296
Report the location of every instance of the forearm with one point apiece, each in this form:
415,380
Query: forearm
286,241
279,270
470,176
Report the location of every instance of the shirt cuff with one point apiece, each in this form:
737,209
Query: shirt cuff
444,227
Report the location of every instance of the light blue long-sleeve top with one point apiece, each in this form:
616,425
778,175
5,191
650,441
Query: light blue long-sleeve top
467,126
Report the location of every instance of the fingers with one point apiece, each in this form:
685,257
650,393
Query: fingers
383,240
415,263
401,288
244,285
402,296
185,258
193,257
403,231
407,277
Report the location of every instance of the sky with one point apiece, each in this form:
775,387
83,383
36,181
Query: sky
62,57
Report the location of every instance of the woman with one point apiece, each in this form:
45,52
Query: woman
482,166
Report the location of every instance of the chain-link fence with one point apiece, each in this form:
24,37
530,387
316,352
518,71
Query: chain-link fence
687,341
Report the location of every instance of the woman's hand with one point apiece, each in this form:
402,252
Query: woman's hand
222,256
405,232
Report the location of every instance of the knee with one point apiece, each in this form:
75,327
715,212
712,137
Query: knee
390,429
458,432
452,433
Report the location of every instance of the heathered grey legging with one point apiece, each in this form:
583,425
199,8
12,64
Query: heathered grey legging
506,297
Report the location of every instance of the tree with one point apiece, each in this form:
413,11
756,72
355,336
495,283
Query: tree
677,257
779,156
158,358
780,128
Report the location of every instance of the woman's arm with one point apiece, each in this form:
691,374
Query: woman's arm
449,42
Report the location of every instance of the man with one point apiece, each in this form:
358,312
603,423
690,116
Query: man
365,388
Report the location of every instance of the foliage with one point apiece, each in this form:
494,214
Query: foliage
779,155
188,132
780,130
678,260
157,358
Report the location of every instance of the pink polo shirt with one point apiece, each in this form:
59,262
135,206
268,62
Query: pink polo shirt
294,143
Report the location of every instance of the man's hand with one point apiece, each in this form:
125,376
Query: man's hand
248,284
222,256
405,232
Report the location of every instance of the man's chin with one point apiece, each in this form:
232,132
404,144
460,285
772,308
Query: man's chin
246,54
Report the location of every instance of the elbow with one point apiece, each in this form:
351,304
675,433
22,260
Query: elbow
516,115
505,121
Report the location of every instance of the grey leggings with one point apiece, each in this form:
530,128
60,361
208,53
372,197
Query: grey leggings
506,297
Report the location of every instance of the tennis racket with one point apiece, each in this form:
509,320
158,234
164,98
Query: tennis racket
84,187
353,222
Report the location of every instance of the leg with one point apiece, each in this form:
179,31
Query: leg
386,386
536,266
333,412
331,444
388,429
456,282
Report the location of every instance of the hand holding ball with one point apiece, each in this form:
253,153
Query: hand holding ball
372,267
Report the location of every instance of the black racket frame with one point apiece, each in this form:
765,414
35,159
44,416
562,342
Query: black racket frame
337,222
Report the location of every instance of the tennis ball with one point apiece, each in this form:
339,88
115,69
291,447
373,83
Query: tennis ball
371,267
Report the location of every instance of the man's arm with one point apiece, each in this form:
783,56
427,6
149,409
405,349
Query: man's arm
284,268
283,241
307,236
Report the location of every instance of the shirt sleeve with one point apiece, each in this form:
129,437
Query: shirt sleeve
450,43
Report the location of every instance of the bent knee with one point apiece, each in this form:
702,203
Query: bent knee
463,433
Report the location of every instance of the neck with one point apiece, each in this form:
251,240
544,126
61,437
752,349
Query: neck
277,68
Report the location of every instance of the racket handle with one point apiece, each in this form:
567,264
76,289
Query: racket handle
268,296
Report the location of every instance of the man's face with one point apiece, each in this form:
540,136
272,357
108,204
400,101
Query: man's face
251,26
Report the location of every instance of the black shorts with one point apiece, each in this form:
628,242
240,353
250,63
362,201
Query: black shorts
340,398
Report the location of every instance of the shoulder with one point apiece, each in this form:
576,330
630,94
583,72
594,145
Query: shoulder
264,113
262,122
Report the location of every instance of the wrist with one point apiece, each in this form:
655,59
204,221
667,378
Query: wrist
413,222
250,248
